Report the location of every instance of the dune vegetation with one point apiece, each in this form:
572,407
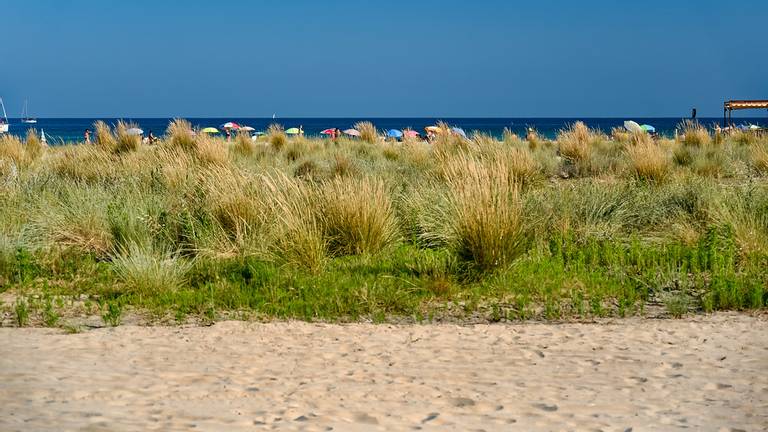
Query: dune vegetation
586,225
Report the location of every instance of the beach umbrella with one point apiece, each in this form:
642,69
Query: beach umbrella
394,133
134,131
230,125
411,133
434,129
352,132
632,126
648,128
754,127
328,131
247,128
292,131
210,130
459,131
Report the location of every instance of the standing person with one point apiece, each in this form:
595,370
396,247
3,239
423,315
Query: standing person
229,134
301,130
151,137
87,136
693,113
337,132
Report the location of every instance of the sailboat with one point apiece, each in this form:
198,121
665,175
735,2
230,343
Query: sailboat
4,120
25,118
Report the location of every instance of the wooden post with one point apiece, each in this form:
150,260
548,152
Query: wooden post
724,111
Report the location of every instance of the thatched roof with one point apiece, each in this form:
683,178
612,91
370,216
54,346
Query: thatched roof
746,104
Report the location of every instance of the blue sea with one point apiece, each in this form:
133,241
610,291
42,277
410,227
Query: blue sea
64,130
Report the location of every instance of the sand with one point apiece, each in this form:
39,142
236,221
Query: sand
705,373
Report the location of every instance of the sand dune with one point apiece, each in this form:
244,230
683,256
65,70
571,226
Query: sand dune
703,373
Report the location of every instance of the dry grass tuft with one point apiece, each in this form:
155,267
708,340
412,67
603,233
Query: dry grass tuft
180,134
694,134
211,151
276,136
105,139
649,161
34,148
358,216
243,145
11,148
575,142
485,212
297,234
759,155
367,131
125,142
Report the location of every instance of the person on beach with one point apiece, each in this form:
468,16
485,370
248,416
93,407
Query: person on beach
151,138
301,130
229,135
87,136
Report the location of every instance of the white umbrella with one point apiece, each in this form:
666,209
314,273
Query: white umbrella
633,126
247,128
134,131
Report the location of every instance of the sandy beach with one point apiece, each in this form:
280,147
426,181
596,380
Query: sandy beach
701,373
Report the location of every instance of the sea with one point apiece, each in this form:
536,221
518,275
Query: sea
69,130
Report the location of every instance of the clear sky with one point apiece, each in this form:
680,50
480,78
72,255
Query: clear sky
155,58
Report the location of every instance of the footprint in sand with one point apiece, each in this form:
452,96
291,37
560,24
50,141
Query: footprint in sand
365,418
545,407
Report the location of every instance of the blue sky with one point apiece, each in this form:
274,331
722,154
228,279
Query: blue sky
388,58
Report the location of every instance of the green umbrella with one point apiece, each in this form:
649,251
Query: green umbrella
210,130
292,131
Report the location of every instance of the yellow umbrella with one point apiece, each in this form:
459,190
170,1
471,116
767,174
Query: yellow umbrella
210,130
433,129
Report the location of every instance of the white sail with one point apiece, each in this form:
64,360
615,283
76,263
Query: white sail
4,120
25,118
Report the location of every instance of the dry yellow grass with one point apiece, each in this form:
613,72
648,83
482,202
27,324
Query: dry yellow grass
485,211
105,139
694,134
11,148
243,145
358,216
276,136
180,134
759,153
649,161
33,147
297,236
367,131
575,142
126,142
210,150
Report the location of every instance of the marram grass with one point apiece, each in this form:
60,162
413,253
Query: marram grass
586,225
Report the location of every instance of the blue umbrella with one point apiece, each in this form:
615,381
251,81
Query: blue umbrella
394,133
459,131
648,128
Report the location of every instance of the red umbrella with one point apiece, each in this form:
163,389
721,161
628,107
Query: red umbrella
328,132
411,133
230,125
